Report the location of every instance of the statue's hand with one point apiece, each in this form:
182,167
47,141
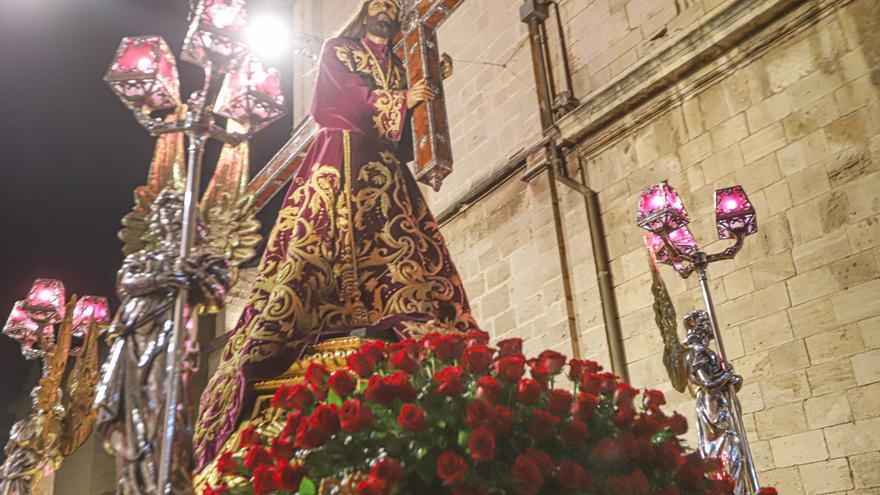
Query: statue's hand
177,280
446,66
420,92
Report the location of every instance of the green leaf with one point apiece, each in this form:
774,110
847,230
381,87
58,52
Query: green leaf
334,399
464,437
421,453
307,487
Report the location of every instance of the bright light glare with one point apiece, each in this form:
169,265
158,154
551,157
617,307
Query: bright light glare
268,36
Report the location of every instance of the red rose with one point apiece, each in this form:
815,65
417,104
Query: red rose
577,367
448,347
249,437
326,419
215,490
559,402
342,383
387,469
653,399
678,424
673,490
591,383
529,391
293,397
488,389
608,450
569,474
609,382
449,381
282,449
468,490
668,454
400,384
542,460
639,482
477,337
510,368
575,432
539,371
361,363
526,472
264,480
767,490
294,419
316,375
256,456
620,485
585,406
482,444
379,390
624,416
625,394
410,344
510,347
542,423
375,350
412,418
479,413
289,476
646,425
355,416
476,359
552,361
502,419
372,486
451,467
226,464
309,436
403,360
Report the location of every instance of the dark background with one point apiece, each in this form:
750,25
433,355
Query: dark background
71,154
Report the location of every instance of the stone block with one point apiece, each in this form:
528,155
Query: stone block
738,283
813,87
762,142
778,197
785,480
768,111
864,234
866,367
809,183
831,377
714,166
730,131
751,366
791,356
759,174
713,106
870,331
826,476
774,236
764,333
835,344
751,398
787,419
850,164
495,302
853,438
804,222
811,118
855,270
772,299
865,469
821,251
772,269
857,303
811,285
855,95
783,389
812,317
847,131
799,448
828,410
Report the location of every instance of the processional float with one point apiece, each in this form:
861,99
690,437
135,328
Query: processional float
720,430
63,335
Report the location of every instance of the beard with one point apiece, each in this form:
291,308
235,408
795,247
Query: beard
381,25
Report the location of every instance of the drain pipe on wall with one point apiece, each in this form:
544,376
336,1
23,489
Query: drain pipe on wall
534,13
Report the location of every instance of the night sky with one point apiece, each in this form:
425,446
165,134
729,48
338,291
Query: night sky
71,154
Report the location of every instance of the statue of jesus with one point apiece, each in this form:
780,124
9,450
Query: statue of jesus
355,248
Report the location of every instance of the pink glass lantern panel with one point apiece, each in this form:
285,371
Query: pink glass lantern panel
656,247
216,35
19,325
144,75
251,95
87,308
683,240
661,209
734,213
45,301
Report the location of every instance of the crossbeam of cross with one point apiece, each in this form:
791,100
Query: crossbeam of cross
418,49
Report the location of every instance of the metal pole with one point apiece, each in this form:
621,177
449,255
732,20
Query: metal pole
173,363
735,410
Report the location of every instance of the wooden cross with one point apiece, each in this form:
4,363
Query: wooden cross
417,48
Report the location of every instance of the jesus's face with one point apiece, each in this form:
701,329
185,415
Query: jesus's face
382,18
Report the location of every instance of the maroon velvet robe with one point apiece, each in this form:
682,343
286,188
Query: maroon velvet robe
354,245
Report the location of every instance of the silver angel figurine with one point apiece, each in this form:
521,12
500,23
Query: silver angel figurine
716,426
130,402
24,458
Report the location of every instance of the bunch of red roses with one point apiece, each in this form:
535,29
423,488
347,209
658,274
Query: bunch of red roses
450,414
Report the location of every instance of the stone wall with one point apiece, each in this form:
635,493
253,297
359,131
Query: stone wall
790,111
